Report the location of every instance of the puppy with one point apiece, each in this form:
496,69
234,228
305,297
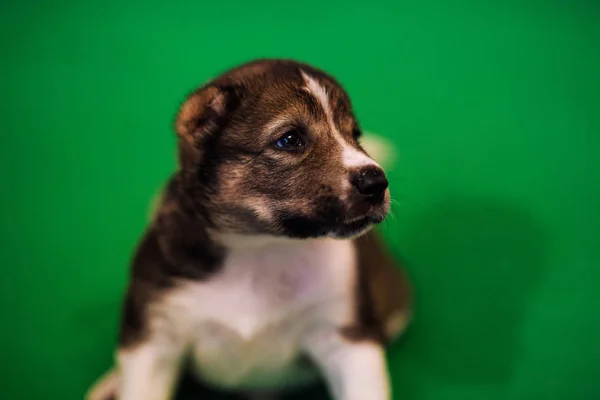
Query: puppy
259,272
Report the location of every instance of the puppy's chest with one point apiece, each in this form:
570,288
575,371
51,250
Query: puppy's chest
247,324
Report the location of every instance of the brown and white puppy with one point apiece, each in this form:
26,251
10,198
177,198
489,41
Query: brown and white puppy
259,272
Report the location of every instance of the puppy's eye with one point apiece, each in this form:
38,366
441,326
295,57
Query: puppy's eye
290,141
356,133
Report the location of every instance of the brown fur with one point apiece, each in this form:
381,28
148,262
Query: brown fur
241,105
229,170
384,292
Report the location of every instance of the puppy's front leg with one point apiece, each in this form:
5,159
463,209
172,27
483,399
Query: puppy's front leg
354,370
149,371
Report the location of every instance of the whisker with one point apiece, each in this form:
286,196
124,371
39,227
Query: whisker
397,203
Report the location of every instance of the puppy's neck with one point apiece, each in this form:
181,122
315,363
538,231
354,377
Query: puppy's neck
182,231
242,242
187,236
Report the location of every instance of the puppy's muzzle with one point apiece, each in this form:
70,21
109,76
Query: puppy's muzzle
370,183
368,196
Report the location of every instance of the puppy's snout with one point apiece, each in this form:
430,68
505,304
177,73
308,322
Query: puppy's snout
371,183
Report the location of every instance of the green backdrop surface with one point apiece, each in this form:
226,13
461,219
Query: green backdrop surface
493,107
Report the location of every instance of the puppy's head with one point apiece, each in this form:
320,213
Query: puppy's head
272,147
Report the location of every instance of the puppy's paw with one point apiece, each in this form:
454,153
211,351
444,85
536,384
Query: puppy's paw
397,323
105,388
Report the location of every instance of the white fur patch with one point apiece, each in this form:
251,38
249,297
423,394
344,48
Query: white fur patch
355,371
320,94
149,372
245,326
351,157
105,388
354,158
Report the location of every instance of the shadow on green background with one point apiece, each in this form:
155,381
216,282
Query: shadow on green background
467,252
494,108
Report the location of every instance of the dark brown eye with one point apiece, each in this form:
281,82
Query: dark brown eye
290,141
356,133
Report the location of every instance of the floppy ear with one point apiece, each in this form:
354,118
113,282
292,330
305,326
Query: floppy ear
201,115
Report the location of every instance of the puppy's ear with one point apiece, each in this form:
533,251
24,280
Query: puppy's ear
202,115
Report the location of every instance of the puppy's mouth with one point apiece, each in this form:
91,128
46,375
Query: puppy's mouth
355,226
331,217
307,227
373,219
350,221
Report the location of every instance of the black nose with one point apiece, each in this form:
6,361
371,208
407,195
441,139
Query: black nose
371,182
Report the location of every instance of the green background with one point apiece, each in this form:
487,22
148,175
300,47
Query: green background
494,110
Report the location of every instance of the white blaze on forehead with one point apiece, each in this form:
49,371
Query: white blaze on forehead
351,156
355,158
320,93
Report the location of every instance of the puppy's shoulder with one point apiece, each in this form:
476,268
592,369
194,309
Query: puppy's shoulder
384,291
